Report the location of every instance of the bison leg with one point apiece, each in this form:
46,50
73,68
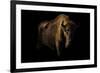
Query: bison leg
57,47
67,40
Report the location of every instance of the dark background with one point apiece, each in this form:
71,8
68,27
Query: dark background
79,48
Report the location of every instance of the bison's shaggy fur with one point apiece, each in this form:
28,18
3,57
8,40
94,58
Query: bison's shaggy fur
52,33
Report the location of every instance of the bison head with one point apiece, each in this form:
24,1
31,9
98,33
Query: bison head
55,33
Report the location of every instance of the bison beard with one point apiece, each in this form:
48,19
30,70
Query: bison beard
55,33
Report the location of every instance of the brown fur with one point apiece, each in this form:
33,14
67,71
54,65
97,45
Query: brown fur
50,32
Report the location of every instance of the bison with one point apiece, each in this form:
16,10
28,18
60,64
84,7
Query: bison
55,32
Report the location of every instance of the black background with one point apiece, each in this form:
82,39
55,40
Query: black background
79,48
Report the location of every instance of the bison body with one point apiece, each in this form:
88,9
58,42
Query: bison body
55,32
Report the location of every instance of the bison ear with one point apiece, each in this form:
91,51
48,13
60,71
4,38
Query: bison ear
45,25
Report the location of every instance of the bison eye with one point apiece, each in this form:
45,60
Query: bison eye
67,29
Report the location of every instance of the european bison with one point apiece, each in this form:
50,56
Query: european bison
55,33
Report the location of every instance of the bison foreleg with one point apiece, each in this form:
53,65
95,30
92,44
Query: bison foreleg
57,47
